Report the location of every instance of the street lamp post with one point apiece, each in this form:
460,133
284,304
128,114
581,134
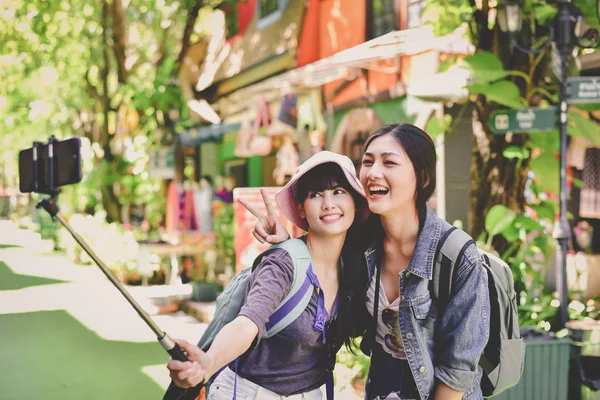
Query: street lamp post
562,231
564,34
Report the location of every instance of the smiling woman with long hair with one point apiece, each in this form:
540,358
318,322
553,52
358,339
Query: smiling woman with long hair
325,198
417,351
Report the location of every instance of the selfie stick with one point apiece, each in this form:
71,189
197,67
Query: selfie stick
49,204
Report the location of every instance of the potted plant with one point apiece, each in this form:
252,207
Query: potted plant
527,246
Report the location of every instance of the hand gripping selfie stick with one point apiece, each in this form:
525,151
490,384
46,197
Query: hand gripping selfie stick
49,204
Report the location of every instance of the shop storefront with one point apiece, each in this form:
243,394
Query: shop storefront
269,128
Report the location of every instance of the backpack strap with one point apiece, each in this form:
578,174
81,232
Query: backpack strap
448,254
300,293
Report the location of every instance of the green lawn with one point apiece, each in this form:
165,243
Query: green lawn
51,355
11,281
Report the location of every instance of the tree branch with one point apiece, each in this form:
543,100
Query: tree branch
93,89
119,36
104,136
188,30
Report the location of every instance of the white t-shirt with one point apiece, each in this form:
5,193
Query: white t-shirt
388,326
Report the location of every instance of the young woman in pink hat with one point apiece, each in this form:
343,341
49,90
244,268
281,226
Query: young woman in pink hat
416,350
325,198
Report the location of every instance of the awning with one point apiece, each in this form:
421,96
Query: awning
350,62
443,86
206,133
363,56
345,64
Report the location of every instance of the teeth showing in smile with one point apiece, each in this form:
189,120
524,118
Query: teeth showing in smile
375,190
330,217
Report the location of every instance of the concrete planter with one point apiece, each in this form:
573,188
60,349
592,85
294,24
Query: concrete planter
546,370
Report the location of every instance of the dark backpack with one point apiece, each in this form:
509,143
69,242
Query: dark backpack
231,300
503,357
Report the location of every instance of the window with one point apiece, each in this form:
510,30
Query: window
268,7
383,18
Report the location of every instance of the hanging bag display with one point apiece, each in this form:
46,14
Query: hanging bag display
287,161
261,145
243,138
287,120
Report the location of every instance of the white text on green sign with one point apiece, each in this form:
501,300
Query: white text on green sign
524,120
584,89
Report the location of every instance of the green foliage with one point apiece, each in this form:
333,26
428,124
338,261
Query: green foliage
505,93
118,247
544,13
498,219
225,234
59,62
530,249
547,140
438,125
48,228
351,368
446,15
580,126
588,7
546,169
516,152
485,67
489,79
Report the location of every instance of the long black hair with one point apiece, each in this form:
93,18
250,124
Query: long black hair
328,176
420,149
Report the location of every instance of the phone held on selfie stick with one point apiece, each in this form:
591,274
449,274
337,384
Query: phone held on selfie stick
44,168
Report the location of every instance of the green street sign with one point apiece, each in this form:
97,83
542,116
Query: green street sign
583,89
524,120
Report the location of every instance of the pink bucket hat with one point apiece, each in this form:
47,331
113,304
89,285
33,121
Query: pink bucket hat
286,199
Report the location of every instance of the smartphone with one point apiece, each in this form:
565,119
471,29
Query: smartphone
58,164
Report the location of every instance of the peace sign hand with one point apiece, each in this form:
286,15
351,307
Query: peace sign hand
269,227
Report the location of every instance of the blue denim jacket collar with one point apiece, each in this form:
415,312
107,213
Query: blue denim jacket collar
426,246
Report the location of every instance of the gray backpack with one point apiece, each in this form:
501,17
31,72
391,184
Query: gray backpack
231,300
503,357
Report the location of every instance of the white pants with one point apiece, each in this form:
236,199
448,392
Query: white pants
222,389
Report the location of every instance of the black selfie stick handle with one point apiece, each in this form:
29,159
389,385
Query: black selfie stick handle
49,204
172,348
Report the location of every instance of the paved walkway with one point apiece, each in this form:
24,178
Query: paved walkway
87,295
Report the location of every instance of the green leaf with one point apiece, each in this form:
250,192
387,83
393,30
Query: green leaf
165,68
542,242
546,170
527,223
587,106
517,152
545,210
498,219
588,7
580,126
546,140
511,234
505,93
485,67
543,12
438,125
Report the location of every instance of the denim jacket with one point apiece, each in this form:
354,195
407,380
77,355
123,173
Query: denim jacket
445,347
